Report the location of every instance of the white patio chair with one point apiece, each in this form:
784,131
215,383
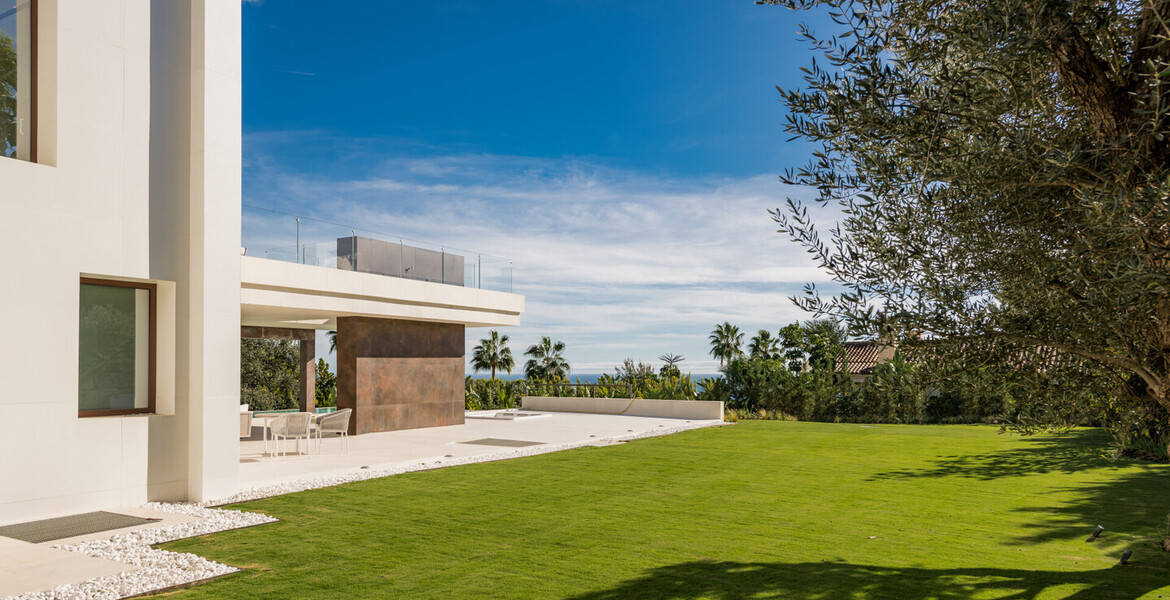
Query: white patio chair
292,425
245,424
335,423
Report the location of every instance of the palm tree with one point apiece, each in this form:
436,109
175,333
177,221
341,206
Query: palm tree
492,353
547,362
763,345
670,368
725,342
332,341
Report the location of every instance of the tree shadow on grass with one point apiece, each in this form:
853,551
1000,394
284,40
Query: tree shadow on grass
1071,452
832,580
1133,501
1134,506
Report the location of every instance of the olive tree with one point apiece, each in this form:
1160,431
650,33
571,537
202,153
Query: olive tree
1001,174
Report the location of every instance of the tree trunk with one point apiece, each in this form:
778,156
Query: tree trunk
1085,75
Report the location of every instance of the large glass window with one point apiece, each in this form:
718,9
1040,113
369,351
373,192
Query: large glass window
18,79
116,358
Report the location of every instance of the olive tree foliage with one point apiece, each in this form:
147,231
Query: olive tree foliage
269,373
1002,173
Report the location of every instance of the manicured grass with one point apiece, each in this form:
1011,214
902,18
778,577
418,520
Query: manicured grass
759,510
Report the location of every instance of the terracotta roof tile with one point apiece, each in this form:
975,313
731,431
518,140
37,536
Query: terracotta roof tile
862,357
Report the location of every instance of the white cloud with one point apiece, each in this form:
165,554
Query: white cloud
616,263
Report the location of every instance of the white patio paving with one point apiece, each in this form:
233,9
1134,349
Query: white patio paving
445,446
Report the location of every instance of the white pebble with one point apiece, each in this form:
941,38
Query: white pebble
157,569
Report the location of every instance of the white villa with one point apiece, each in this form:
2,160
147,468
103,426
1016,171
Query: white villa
126,283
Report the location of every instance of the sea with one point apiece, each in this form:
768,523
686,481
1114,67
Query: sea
584,377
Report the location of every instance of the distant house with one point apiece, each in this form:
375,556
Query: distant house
860,358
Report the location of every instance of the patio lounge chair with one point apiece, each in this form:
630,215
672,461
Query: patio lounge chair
292,425
335,423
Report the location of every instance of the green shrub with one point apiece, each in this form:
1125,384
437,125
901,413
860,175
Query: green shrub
769,384
630,380
491,394
714,389
891,394
895,392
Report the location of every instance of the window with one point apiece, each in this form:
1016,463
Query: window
18,101
116,348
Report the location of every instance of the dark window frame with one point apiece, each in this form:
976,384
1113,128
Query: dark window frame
33,38
151,352
32,92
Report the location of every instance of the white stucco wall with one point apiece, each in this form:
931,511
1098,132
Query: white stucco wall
86,214
87,208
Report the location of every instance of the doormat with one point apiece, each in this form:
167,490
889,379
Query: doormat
67,527
500,442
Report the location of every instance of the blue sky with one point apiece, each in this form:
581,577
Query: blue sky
622,154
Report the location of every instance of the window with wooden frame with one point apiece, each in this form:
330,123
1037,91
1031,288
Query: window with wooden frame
116,348
18,79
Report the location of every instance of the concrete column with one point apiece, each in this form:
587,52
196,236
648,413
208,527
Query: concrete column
195,191
399,374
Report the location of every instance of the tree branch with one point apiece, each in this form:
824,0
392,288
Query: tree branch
1151,28
1152,380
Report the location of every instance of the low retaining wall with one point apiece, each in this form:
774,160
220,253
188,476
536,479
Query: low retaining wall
638,407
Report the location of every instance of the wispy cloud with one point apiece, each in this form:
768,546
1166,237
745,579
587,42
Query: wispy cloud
614,262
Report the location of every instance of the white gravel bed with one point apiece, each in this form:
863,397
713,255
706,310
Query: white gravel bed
155,569
160,569
320,481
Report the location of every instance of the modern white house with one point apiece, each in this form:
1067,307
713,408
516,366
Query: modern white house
125,283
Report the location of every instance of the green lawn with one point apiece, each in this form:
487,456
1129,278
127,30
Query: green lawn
759,510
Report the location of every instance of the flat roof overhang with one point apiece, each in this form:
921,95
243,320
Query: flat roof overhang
283,294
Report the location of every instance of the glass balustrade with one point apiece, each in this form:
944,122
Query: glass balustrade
320,243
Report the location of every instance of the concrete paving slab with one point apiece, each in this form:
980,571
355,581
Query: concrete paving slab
26,567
